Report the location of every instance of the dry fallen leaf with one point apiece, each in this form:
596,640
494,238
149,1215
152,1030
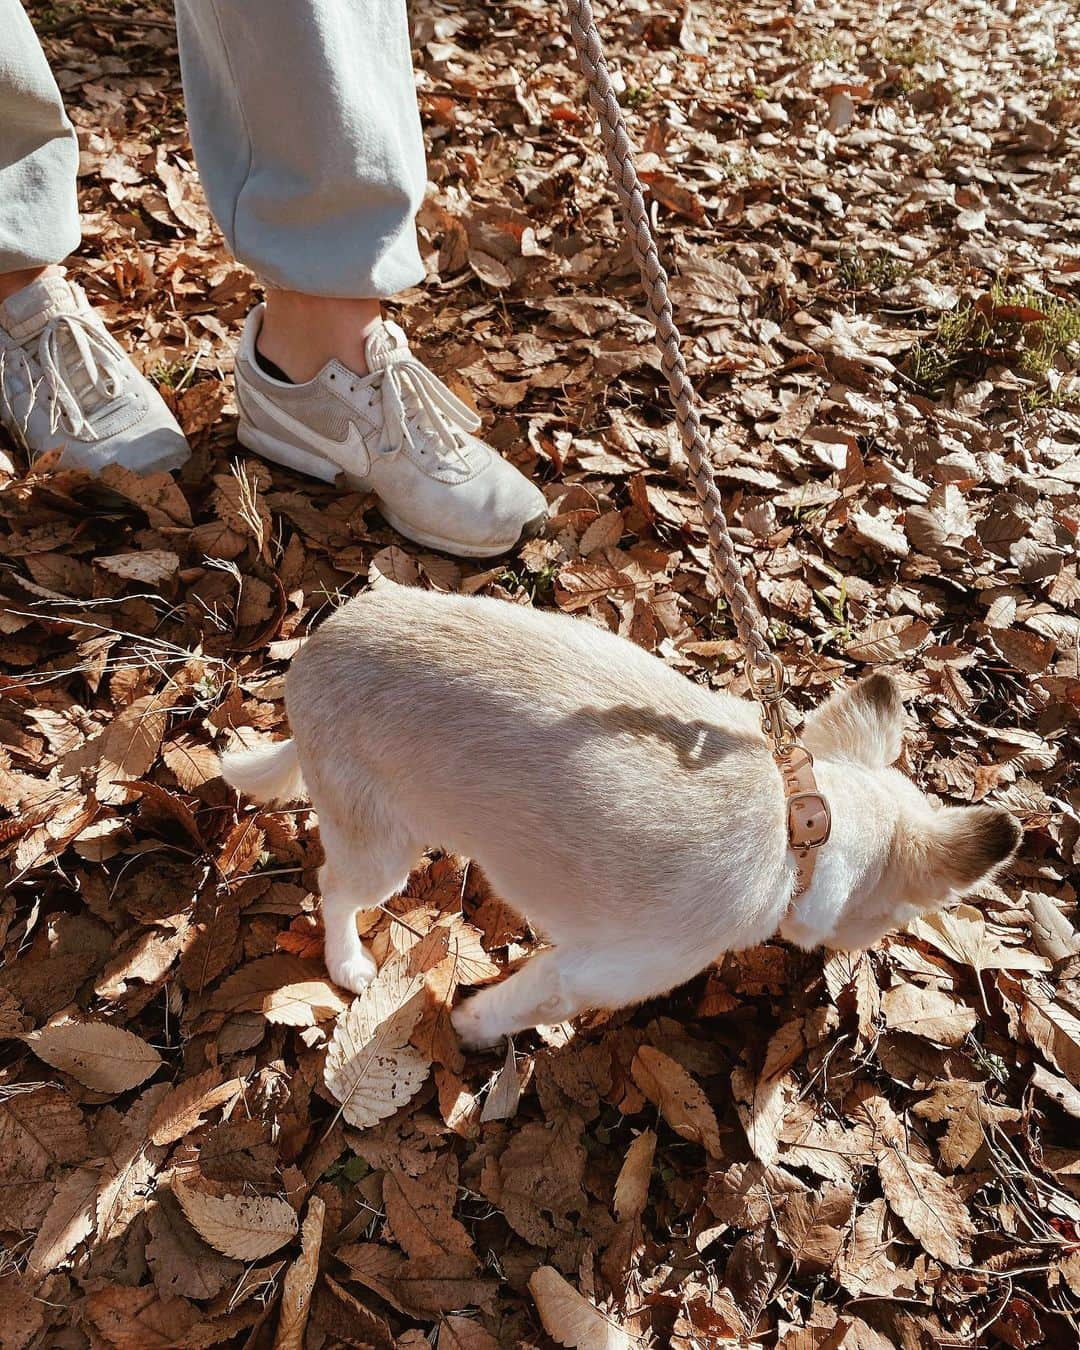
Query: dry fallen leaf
504,1093
150,567
863,223
246,1227
300,1280
370,1066
962,934
99,1055
69,1221
632,1185
681,1101
571,1320
185,1106
462,1333
927,1012
930,1207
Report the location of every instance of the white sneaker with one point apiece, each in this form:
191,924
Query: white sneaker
66,384
397,432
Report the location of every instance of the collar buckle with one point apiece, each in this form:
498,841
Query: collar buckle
809,820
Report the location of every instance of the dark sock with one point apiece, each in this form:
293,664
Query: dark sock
269,368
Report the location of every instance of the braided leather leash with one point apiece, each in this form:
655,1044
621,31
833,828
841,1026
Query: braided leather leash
808,812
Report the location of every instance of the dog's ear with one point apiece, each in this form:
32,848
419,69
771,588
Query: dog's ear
864,723
958,847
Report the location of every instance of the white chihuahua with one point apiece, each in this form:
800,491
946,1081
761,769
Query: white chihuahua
635,818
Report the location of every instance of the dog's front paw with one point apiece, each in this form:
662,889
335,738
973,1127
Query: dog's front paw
355,974
475,1030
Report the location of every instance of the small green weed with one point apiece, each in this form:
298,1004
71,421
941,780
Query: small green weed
532,584
174,375
636,96
826,51
908,54
1026,328
346,1172
859,271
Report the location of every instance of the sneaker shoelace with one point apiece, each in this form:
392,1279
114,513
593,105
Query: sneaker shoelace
410,389
80,372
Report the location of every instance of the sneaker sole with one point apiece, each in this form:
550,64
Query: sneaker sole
166,464
315,466
529,530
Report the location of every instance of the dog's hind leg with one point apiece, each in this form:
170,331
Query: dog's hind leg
367,861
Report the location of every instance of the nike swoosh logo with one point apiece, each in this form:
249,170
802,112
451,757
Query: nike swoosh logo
352,453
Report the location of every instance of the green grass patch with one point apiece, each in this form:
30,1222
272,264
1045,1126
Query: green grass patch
859,271
908,54
1027,329
636,96
522,581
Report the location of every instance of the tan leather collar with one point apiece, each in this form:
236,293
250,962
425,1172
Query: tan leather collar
809,820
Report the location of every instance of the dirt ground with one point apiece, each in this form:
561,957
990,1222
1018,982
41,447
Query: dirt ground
871,218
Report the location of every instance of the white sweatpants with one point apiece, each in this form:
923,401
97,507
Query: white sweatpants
304,121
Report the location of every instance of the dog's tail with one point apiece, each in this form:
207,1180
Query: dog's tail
266,773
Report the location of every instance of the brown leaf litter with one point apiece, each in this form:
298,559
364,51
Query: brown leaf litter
872,222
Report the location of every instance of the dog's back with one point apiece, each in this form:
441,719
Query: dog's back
538,744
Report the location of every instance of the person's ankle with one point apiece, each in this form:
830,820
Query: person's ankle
13,282
301,333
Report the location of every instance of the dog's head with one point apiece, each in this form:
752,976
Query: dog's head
896,853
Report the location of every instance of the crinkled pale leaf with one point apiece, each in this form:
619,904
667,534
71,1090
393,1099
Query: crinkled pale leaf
887,639
99,1055
151,567
761,1103
1056,1032
681,1101
448,939
747,1194
570,1319
180,1260
937,1016
129,1167
882,529
962,934
124,751
966,1108
303,1004
465,948
191,762
370,1066
300,1281
246,1227
855,971
864,1266
811,1225
421,1213
536,1181
394,564
424,1286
